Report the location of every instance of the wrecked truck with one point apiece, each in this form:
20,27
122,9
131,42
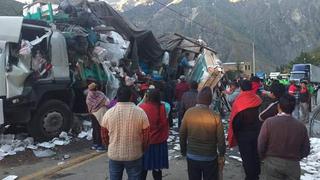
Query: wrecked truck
42,98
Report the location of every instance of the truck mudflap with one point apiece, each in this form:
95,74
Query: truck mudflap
1,113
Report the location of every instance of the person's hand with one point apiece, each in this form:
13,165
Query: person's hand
221,161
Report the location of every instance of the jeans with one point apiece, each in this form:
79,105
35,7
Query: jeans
281,169
208,170
133,169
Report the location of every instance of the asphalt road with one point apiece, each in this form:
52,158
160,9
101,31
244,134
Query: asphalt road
98,169
87,164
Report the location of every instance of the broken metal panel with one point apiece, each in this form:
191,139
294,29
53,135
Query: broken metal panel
208,70
11,28
16,78
115,47
2,68
59,56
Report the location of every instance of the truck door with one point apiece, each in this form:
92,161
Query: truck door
9,33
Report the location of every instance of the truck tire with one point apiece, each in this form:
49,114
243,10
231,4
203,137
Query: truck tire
50,119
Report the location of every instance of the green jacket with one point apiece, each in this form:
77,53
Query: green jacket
202,133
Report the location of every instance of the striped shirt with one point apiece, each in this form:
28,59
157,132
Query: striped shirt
125,123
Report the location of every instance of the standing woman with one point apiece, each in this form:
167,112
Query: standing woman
97,106
156,157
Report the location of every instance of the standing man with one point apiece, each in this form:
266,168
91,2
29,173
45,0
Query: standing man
304,102
127,135
180,89
233,92
292,88
277,90
244,128
201,135
188,100
184,64
283,142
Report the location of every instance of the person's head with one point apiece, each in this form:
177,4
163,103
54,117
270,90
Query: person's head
303,84
292,82
153,95
246,85
194,85
255,79
92,87
234,85
286,104
182,78
187,54
277,90
124,94
205,96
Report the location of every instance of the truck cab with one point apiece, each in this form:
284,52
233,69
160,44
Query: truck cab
300,72
36,93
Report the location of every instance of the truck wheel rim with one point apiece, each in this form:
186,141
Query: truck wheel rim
52,122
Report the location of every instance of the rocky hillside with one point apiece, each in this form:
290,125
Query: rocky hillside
10,8
281,29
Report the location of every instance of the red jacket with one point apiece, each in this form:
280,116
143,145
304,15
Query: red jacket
159,126
181,88
245,100
292,89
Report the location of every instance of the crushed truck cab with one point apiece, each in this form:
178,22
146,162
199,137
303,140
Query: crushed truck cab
35,85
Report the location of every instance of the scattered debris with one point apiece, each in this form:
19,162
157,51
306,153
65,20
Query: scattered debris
19,149
236,158
10,144
176,147
61,163
32,147
44,153
10,177
89,134
311,164
58,142
66,156
82,134
46,145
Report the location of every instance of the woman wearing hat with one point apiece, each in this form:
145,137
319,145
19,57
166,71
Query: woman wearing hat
97,106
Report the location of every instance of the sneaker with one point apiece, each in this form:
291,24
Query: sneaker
101,149
94,146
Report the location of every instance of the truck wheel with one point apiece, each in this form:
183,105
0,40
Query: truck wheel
50,120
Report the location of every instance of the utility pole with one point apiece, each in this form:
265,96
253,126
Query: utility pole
253,60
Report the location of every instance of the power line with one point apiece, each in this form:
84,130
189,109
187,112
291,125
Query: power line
186,17
205,28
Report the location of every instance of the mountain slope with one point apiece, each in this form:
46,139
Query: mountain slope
10,8
281,29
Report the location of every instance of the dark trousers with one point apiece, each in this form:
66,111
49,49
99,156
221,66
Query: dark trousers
96,128
156,174
206,170
250,158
